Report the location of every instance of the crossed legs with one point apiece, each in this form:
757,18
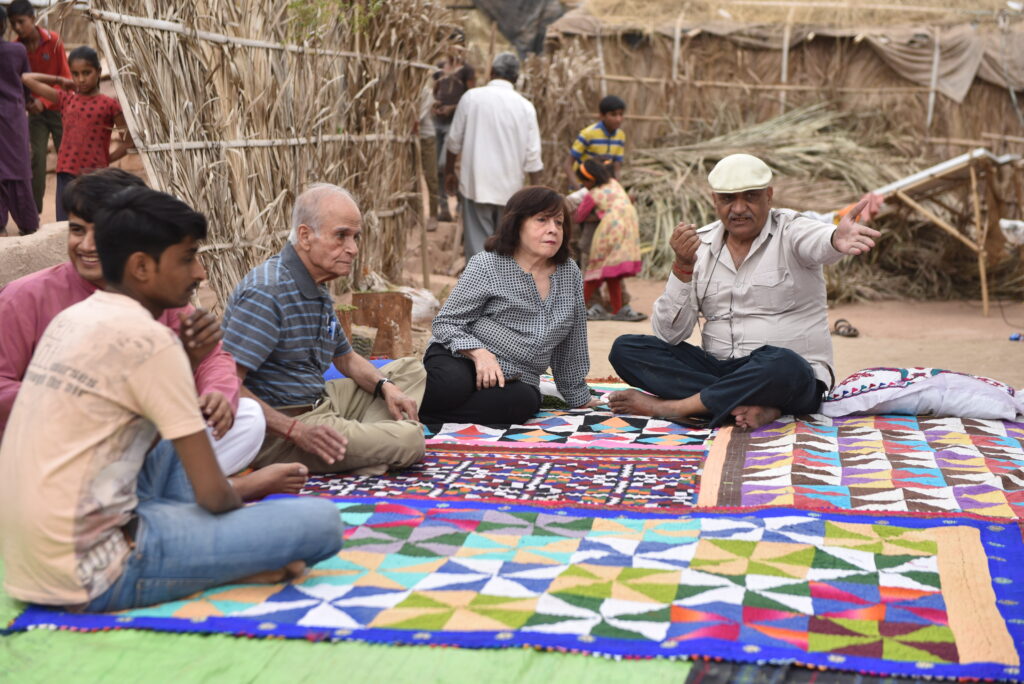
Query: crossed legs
686,381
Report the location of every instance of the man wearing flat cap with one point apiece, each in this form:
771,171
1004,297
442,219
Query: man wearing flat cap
755,277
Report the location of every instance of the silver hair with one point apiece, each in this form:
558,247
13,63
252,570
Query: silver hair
307,207
506,66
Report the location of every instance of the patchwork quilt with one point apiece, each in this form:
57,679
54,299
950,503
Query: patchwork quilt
542,476
860,463
571,429
887,595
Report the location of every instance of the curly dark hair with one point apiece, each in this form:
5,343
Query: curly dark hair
530,201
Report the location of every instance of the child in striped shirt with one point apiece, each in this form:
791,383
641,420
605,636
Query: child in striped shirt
604,140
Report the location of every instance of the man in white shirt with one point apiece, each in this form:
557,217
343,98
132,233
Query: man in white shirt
495,132
755,276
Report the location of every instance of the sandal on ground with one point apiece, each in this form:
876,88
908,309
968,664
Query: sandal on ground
626,313
844,328
598,313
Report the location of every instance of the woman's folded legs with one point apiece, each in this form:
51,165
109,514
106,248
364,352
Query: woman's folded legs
451,395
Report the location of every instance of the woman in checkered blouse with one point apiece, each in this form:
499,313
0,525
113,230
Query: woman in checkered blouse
516,311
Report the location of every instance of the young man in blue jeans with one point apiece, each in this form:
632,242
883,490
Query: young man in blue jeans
92,516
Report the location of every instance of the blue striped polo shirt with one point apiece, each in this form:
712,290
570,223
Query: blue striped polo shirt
282,327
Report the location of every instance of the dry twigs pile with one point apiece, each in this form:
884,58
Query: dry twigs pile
817,165
273,97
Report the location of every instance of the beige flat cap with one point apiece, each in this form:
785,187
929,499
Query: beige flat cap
739,173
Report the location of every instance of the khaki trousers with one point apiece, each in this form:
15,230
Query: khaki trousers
376,442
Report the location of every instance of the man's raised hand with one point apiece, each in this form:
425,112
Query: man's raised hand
217,410
851,237
200,332
684,242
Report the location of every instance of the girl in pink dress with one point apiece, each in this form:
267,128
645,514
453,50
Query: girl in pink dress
615,250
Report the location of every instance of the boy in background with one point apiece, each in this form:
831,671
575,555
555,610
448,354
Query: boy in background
45,56
604,140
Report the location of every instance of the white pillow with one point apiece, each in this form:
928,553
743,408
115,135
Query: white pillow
922,392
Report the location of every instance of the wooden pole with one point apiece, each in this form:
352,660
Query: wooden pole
999,136
784,76
192,33
600,65
675,45
881,90
980,232
846,5
934,218
490,47
424,258
934,79
1018,188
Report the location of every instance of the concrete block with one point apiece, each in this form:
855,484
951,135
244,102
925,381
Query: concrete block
22,255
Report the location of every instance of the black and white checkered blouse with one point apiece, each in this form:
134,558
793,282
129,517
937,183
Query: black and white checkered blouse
496,306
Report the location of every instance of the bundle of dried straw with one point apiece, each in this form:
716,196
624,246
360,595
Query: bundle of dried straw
235,106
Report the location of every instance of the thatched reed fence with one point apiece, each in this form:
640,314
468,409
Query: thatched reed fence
677,75
236,105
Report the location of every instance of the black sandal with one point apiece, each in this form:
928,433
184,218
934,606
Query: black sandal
844,328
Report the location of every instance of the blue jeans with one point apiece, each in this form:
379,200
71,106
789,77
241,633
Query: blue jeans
770,376
180,548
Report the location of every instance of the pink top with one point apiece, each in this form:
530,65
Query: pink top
27,306
586,206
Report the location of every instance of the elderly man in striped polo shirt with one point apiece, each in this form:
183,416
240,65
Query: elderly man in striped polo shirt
281,327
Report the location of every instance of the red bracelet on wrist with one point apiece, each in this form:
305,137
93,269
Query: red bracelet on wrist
288,435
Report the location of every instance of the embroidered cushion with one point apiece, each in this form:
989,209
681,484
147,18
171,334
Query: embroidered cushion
921,392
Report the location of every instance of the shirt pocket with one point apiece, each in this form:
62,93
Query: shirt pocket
772,291
709,296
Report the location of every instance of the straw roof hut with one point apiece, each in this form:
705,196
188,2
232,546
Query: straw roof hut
939,73
235,106
841,97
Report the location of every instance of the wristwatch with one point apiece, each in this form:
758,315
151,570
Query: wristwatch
378,391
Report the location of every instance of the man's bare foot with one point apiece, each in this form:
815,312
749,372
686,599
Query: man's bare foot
753,417
286,574
637,403
277,478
